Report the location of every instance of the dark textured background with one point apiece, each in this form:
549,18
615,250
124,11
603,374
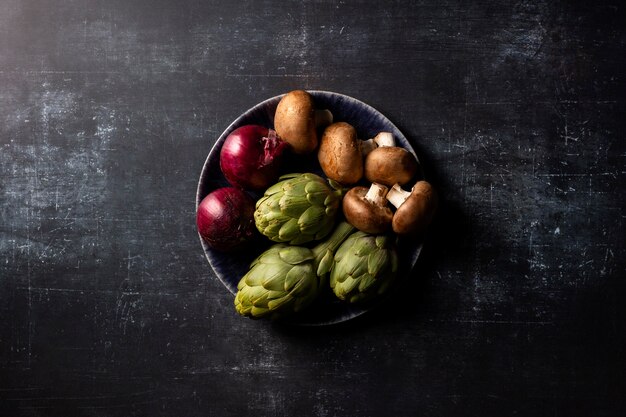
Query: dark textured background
108,109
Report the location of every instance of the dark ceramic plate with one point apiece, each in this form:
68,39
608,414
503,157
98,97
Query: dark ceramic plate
229,268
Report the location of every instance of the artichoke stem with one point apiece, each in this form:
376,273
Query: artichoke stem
341,233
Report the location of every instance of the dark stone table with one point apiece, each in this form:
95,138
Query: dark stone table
108,109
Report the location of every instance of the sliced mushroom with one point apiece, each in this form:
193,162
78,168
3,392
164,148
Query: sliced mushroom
415,208
367,209
296,121
389,165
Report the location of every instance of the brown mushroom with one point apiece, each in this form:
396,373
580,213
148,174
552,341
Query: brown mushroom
389,165
340,154
367,210
296,121
415,208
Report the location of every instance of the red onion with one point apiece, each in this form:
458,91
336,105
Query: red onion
251,156
225,219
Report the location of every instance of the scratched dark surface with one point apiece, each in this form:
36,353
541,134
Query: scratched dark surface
109,108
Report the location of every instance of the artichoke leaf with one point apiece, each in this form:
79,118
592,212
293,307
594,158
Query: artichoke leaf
259,312
318,198
306,287
265,272
324,230
295,188
311,219
289,176
289,230
332,201
364,247
366,281
293,206
242,283
316,186
272,295
295,274
325,264
280,303
382,241
274,279
332,280
303,238
295,255
243,309
355,266
377,261
276,188
246,296
344,248
269,216
339,272
349,284
261,300
272,228
357,298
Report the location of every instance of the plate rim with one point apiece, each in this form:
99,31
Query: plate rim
214,149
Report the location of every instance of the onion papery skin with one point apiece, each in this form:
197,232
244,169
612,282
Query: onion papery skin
251,157
225,219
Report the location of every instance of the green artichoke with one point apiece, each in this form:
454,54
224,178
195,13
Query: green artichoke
364,267
299,209
286,279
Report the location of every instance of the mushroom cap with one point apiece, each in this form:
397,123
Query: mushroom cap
417,211
340,154
294,121
389,165
364,215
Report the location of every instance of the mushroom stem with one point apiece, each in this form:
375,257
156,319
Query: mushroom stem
384,139
376,194
380,140
397,196
323,118
367,146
